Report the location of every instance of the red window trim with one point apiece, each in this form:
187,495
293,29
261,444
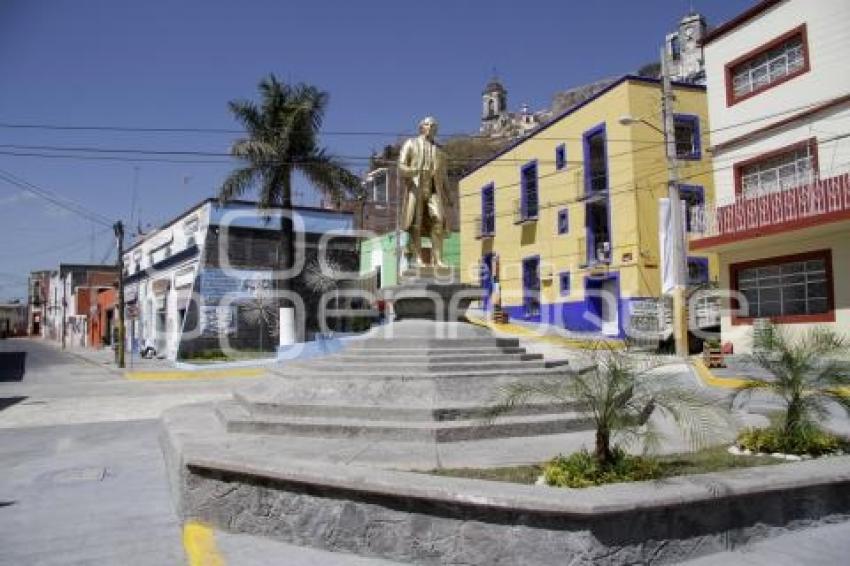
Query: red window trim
731,99
737,169
828,316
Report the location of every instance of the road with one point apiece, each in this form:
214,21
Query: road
83,480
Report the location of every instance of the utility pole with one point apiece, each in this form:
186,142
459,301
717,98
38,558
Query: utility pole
118,227
676,233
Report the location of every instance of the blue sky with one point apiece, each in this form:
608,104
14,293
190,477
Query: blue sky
176,64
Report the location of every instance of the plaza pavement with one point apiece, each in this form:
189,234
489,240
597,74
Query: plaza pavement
83,478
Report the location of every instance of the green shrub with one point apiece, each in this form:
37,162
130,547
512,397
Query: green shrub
582,469
808,440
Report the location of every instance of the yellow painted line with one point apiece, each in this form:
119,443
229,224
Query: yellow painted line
174,375
524,332
199,543
733,382
710,379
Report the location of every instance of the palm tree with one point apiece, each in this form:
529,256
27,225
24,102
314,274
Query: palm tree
804,373
282,138
619,391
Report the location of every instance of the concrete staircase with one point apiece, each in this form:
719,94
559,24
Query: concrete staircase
405,387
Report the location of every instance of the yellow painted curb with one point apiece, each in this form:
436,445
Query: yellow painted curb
197,374
733,382
524,332
199,543
710,379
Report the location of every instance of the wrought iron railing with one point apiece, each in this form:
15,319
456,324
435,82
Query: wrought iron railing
787,207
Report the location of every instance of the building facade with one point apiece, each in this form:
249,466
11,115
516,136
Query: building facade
779,100
567,218
684,50
39,289
204,280
13,319
71,301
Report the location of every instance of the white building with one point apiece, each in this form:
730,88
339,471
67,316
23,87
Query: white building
684,50
779,101
191,283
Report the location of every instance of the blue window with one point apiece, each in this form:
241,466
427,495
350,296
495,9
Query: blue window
528,186
531,286
488,210
565,282
694,197
697,270
563,221
561,156
688,145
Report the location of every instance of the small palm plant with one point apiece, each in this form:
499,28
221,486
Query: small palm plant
806,374
619,391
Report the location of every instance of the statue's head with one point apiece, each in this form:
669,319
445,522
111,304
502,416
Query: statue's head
428,127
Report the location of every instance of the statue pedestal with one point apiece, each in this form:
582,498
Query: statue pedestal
431,293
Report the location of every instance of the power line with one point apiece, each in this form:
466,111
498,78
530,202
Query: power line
55,199
362,133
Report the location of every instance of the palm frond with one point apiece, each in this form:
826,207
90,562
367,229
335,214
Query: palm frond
236,183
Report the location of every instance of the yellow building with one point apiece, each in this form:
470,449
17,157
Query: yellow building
566,218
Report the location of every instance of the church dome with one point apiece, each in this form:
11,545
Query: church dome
495,85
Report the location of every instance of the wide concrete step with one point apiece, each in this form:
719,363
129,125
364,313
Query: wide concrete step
432,343
401,352
238,420
294,371
424,359
430,365
420,412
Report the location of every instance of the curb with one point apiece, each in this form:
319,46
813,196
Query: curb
572,343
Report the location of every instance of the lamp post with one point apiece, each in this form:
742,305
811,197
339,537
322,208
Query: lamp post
674,229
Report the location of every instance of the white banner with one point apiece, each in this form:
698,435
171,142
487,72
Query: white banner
671,275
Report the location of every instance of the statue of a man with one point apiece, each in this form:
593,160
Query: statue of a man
422,166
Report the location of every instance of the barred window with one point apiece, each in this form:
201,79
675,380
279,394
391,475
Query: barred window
528,182
784,171
786,288
488,210
778,61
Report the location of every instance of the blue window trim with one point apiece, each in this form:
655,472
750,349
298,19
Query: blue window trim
564,277
694,119
524,191
703,262
525,288
596,130
564,228
488,193
561,157
695,190
590,251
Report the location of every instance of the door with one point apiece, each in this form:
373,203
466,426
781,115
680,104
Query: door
609,311
531,286
487,278
602,298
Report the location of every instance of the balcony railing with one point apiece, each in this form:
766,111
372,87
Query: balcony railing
778,210
520,215
480,232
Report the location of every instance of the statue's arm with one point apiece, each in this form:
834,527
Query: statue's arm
405,159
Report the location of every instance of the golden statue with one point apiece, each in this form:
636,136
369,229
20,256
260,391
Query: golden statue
422,165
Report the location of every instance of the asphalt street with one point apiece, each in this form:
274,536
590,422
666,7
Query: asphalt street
83,479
